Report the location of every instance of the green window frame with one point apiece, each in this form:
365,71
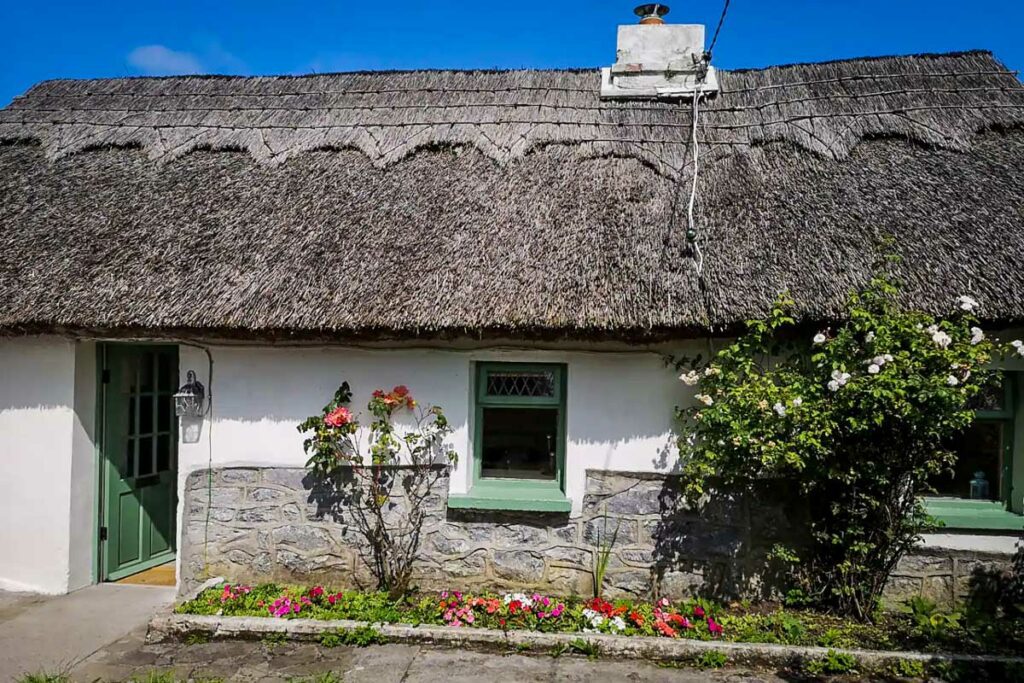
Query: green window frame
498,493
998,515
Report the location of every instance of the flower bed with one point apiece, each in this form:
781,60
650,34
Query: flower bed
920,629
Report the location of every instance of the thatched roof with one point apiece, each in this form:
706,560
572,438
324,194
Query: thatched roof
514,202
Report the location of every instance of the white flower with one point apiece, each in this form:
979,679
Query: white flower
521,597
780,409
798,401
705,399
819,338
952,381
931,329
594,618
887,357
977,335
879,360
690,378
873,369
941,339
711,371
1016,343
833,385
617,624
1020,350
869,337
967,303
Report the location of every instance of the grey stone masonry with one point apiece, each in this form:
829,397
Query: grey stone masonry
948,577
276,524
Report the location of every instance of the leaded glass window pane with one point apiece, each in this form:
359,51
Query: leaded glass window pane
525,383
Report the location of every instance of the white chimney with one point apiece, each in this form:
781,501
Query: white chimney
656,60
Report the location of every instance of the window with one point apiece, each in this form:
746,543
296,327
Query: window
518,438
976,493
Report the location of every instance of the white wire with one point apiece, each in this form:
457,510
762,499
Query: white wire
693,189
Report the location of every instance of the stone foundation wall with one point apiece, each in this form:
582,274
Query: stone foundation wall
276,524
949,577
271,524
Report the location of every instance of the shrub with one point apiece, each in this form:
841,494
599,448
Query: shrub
712,659
856,416
363,481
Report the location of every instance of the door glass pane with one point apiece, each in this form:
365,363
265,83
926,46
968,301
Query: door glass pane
165,410
991,397
128,467
519,443
145,415
131,415
163,452
146,378
147,464
165,381
977,472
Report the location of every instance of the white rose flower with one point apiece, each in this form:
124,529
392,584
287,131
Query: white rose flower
705,399
952,381
1020,350
690,378
873,369
779,409
798,401
833,385
819,338
977,335
887,357
931,329
1016,343
869,337
878,360
967,303
941,339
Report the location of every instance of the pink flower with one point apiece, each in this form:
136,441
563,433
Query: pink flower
339,417
698,612
714,627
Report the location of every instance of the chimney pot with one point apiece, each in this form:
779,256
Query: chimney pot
651,13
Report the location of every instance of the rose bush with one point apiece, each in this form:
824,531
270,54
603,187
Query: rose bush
857,416
360,465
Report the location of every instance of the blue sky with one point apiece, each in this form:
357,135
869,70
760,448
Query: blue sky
95,39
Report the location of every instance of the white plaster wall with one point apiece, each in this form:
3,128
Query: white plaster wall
37,418
619,404
82,560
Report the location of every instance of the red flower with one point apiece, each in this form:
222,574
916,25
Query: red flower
501,622
698,612
714,627
514,607
664,628
401,391
315,592
379,393
636,618
339,417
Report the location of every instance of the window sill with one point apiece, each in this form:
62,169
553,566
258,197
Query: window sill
511,495
973,514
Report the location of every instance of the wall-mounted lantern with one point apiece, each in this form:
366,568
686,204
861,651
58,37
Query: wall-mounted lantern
188,405
188,402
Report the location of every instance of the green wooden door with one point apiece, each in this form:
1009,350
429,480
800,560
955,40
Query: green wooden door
140,457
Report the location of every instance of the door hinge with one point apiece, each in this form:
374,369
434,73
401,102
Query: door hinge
105,376
103,533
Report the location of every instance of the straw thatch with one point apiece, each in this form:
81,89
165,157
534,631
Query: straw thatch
445,203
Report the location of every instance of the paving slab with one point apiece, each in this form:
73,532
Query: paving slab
54,634
250,661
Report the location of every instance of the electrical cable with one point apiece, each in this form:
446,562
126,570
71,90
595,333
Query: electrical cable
691,230
721,20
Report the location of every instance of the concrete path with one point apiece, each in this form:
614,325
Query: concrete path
266,662
53,634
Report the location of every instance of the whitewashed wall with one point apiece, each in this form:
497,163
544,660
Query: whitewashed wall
620,404
47,485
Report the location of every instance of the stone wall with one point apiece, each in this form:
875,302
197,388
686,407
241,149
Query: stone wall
949,577
277,524
272,524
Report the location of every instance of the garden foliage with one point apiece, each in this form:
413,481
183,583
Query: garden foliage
857,416
382,477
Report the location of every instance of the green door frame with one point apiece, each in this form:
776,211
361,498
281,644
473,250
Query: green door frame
102,470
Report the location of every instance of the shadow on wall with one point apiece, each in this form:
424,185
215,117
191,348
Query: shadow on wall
722,550
993,590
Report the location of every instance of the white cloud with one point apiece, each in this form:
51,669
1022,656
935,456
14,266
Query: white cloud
158,60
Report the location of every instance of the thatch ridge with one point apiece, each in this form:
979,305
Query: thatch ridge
824,107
